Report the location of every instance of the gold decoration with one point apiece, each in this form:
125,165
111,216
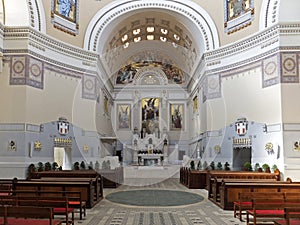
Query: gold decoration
86,148
37,146
269,147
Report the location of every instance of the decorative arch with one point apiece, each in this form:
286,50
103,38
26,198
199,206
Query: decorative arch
269,14
30,13
188,9
150,72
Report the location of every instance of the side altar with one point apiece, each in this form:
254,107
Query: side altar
150,149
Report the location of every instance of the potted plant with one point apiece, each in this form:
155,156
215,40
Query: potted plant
54,166
31,169
266,168
199,165
212,165
82,165
40,167
192,165
226,166
256,167
219,166
247,166
47,166
76,166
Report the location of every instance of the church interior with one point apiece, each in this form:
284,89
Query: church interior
150,87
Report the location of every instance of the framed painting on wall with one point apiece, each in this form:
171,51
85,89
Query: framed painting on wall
176,116
64,14
124,116
238,14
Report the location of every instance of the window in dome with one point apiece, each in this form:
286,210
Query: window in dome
124,38
163,39
150,29
177,38
137,39
164,31
150,37
136,31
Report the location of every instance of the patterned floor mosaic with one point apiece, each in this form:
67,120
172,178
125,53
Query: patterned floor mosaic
204,212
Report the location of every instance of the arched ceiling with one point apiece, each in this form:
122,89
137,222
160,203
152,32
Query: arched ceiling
150,35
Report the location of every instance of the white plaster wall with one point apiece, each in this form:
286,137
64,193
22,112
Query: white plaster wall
16,13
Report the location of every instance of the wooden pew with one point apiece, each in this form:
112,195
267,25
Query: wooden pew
244,175
268,209
60,205
215,195
71,174
229,192
74,197
27,215
85,188
245,201
291,216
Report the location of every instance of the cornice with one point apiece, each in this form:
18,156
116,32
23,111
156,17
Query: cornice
241,46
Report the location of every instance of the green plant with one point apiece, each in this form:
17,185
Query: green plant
219,166
274,168
199,165
212,165
40,166
82,165
76,166
31,169
54,166
266,167
247,166
256,166
192,165
47,166
226,166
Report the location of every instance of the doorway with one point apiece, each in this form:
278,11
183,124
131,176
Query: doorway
63,157
240,157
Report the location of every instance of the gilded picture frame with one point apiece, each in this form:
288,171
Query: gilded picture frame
64,15
124,116
238,14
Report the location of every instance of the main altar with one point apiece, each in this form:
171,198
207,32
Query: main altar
150,149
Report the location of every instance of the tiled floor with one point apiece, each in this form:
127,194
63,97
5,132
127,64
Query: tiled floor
204,213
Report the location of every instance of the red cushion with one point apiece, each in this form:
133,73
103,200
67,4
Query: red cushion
18,221
74,203
57,210
270,211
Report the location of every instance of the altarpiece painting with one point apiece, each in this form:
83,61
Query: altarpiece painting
176,116
124,116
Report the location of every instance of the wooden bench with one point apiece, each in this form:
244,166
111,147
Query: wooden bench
291,216
229,192
269,209
69,175
74,197
60,205
27,215
215,196
245,201
86,188
212,175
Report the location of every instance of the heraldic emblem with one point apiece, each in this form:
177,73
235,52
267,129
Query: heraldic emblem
63,126
241,126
